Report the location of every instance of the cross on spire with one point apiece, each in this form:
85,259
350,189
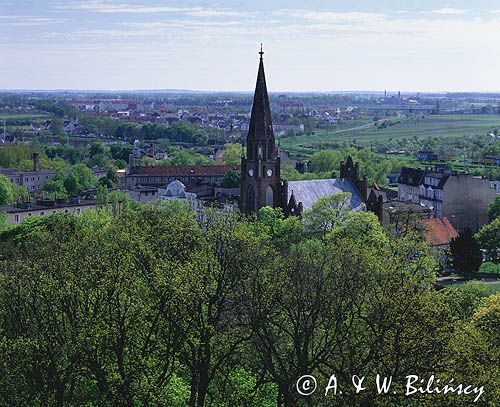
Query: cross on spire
261,53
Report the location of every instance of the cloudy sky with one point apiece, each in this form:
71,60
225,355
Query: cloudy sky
420,45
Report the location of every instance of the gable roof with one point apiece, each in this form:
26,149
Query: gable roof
308,192
438,232
411,176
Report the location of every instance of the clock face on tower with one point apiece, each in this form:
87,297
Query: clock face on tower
269,172
250,172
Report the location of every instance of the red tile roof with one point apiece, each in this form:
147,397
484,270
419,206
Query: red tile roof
185,170
438,231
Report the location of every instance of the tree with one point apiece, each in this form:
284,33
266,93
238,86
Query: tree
121,151
327,212
326,160
55,187
489,238
102,198
231,179
6,191
79,179
97,148
494,209
56,126
232,154
466,256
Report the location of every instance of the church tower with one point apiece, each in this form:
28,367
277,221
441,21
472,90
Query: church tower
260,170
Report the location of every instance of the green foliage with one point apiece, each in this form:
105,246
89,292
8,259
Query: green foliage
102,198
11,156
232,154
56,126
489,238
231,179
465,298
77,179
326,160
327,212
179,132
494,209
371,164
150,307
121,151
6,191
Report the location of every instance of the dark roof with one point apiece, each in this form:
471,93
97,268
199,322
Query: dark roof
18,172
308,192
441,177
411,176
261,126
386,193
438,232
46,205
184,170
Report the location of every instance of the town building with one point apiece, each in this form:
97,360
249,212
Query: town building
159,176
33,179
462,198
177,191
22,210
143,194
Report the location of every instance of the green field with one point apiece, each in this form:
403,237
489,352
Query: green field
422,126
8,116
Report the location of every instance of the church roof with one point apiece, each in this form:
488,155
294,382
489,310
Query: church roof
261,126
308,192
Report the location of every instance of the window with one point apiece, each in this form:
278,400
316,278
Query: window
66,210
42,213
29,214
78,210
16,218
54,212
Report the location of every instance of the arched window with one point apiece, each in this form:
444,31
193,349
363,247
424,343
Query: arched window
269,196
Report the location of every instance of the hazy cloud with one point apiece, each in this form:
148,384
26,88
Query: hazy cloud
450,11
28,21
100,6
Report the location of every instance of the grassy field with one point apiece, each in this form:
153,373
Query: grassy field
426,126
8,116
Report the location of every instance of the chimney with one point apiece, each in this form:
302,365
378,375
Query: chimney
36,161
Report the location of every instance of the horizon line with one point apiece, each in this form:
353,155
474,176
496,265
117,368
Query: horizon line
173,90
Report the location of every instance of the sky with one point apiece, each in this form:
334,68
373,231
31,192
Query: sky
356,45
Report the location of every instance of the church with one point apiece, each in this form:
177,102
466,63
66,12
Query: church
261,184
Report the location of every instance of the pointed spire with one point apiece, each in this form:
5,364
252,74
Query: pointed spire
261,127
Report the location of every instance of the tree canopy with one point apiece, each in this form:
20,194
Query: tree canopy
151,307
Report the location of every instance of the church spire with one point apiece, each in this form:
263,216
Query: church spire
261,128
260,170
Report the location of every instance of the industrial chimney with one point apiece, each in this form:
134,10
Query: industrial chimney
36,161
